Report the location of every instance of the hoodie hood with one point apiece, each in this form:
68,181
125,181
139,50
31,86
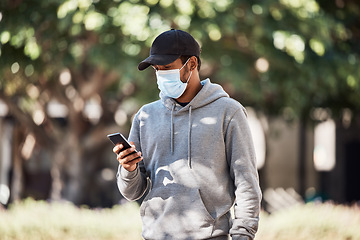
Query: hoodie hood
209,93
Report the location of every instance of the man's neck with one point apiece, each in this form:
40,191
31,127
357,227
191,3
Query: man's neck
191,91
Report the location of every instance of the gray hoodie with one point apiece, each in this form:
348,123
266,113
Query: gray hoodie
198,161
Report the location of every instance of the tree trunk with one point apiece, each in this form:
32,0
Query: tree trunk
17,176
66,172
302,157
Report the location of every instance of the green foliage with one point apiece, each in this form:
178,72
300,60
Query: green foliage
308,52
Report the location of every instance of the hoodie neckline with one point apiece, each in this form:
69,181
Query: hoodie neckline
183,104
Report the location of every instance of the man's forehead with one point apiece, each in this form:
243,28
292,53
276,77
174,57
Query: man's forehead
176,62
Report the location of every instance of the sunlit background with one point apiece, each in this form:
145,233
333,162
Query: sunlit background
68,77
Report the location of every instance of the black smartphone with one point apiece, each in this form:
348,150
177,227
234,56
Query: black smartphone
116,138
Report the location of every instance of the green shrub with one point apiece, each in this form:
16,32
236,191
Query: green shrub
38,220
311,221
30,220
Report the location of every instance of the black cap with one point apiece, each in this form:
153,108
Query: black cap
169,46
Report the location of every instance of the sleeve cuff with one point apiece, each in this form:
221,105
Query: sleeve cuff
241,237
126,175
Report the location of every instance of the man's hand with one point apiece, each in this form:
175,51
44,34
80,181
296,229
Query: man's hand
129,162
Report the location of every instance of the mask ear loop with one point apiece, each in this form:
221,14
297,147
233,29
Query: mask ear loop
190,72
189,77
184,64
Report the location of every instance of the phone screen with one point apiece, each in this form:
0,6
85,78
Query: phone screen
116,138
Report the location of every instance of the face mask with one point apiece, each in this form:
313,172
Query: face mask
169,82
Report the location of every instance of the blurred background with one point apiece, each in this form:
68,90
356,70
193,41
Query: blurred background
68,77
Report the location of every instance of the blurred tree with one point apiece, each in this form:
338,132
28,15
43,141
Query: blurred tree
281,57
61,62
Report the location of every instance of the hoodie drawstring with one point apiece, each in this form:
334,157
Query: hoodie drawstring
189,134
172,129
189,140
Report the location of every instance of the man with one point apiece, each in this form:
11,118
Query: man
195,152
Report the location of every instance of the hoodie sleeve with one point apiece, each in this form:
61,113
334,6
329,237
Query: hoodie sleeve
133,185
242,162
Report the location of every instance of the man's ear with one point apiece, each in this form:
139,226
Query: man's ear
193,63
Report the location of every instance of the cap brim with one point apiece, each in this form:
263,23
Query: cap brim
157,60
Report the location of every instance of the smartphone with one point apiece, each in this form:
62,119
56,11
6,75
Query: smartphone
116,138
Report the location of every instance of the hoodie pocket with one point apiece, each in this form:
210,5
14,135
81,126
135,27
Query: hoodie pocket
176,213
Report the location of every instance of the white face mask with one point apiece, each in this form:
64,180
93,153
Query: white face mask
169,82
